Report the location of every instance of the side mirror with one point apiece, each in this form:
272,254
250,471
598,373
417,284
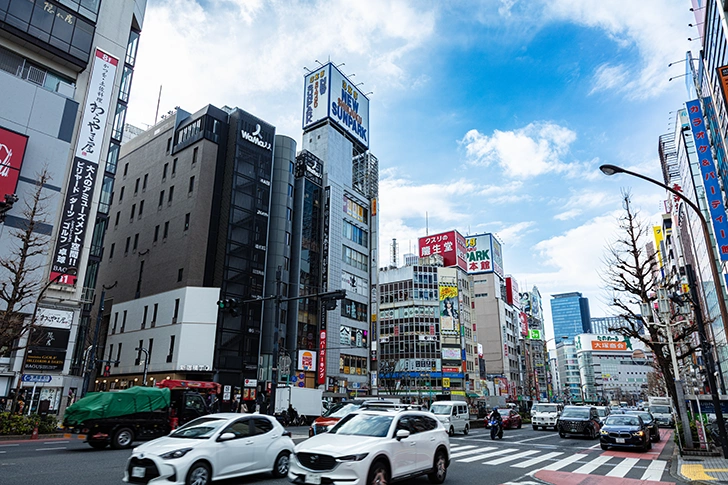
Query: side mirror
287,433
402,434
226,437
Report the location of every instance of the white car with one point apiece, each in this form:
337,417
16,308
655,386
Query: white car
213,447
545,415
372,447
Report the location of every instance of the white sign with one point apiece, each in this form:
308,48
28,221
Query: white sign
226,391
418,365
451,353
307,360
329,94
251,383
96,108
49,317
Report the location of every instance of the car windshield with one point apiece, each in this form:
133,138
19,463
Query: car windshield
601,412
545,408
200,428
646,417
623,420
440,409
660,409
575,413
340,410
363,425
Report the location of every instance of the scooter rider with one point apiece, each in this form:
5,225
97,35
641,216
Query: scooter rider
495,415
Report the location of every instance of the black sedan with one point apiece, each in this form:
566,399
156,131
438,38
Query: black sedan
650,422
625,431
578,420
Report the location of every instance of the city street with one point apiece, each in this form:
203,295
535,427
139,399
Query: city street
522,456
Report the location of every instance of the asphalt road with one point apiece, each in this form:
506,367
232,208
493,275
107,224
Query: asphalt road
517,458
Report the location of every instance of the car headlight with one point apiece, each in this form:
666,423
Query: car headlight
604,432
638,433
171,455
357,457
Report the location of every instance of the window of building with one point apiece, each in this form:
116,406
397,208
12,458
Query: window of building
133,211
131,50
116,321
289,214
166,230
355,234
164,172
192,185
354,210
170,355
187,221
136,186
123,322
126,169
288,238
126,248
290,190
156,233
161,199
194,156
171,195
144,184
176,310
111,251
169,145
121,195
136,242
154,316
118,353
141,209
116,221
174,167
150,348
144,317
354,310
355,258
180,273
117,129
292,168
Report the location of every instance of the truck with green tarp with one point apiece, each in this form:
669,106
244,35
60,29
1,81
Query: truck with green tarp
118,418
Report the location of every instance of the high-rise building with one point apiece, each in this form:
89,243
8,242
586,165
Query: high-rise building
190,226
602,325
338,228
570,314
568,373
65,76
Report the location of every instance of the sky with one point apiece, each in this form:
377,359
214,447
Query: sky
486,116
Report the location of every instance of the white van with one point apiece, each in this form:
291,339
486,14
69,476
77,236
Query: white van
454,415
545,415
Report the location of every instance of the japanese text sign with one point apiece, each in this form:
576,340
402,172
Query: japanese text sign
710,178
12,149
450,245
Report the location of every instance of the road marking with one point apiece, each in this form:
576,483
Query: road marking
471,452
534,439
14,444
654,470
1,452
53,442
487,455
592,465
53,448
537,460
623,467
564,462
506,459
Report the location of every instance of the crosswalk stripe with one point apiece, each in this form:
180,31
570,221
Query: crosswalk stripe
461,448
506,459
654,470
487,455
592,465
564,462
470,452
537,460
623,467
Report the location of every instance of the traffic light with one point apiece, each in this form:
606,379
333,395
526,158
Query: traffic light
229,305
328,300
107,370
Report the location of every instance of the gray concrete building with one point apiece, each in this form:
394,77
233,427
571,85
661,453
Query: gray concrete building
66,69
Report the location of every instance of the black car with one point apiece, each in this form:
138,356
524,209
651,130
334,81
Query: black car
578,420
625,431
650,422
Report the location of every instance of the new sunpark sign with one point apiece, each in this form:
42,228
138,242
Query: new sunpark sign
329,95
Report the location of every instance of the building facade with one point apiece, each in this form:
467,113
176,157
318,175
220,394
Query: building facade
65,75
570,314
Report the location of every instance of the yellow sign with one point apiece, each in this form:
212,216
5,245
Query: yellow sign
445,382
658,239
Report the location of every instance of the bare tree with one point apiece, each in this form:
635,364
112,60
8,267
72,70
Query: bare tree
631,277
20,265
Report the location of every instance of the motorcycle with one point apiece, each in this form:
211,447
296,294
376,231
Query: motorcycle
496,429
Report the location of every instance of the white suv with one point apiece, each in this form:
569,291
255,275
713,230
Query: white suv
374,446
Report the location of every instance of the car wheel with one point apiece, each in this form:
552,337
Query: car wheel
451,431
378,474
123,438
467,429
649,444
282,464
562,434
535,428
658,438
520,423
199,474
439,469
604,447
98,445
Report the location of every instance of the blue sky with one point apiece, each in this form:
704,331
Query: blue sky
489,116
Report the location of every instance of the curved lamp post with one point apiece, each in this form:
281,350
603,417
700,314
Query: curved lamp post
608,169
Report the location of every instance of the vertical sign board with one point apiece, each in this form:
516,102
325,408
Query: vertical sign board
710,178
723,76
77,205
12,150
324,287
450,245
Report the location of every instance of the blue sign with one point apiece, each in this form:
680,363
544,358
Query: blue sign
710,178
37,378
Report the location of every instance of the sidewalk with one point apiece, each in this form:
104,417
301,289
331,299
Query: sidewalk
705,469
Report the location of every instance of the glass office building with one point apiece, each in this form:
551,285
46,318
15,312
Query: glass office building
570,314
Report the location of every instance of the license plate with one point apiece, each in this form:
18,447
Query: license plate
138,472
620,440
573,430
313,478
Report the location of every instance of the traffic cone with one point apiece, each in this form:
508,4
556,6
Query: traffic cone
34,436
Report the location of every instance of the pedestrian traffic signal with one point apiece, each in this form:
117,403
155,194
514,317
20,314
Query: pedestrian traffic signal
229,305
107,370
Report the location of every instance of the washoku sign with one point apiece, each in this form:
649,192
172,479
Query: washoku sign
710,178
77,205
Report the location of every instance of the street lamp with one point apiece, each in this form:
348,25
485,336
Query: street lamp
608,169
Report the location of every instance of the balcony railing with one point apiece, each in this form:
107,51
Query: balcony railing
21,67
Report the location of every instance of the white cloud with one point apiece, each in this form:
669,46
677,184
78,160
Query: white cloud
584,200
535,149
512,235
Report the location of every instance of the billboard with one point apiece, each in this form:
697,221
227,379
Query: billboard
79,192
484,254
449,309
451,353
12,150
523,319
306,360
710,178
328,94
513,298
723,77
612,343
450,245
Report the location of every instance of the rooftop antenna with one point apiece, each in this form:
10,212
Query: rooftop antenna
427,224
159,98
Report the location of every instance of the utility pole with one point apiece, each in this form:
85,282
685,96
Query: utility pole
146,362
94,345
274,358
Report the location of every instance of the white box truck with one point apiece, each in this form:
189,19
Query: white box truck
306,401
661,409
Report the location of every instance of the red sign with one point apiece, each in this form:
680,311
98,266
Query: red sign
450,245
512,296
12,149
322,358
451,370
523,318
